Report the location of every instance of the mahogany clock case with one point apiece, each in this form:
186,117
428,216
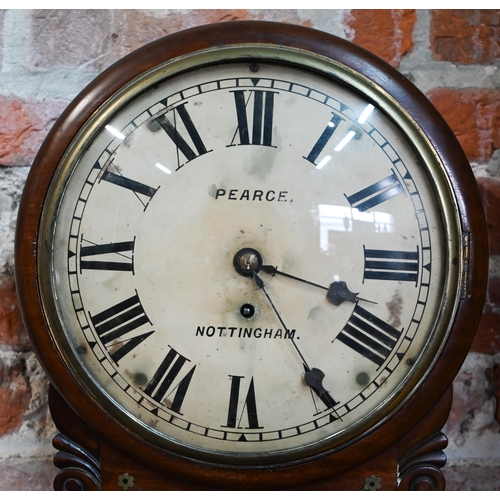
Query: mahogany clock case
389,81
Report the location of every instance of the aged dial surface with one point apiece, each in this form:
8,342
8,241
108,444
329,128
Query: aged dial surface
248,259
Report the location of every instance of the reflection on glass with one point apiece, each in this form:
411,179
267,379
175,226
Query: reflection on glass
115,132
163,168
365,114
345,140
323,162
341,218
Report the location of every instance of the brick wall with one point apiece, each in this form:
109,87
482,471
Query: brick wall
48,56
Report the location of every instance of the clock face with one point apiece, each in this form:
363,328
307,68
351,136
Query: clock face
247,261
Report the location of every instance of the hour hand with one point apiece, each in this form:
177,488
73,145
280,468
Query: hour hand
336,293
273,270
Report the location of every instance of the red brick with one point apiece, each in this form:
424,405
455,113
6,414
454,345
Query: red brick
487,340
489,188
12,331
471,477
136,28
96,38
465,36
70,37
14,397
24,126
27,474
493,377
474,116
386,33
2,16
468,394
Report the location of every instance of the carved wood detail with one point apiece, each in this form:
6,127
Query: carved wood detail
79,448
420,468
80,470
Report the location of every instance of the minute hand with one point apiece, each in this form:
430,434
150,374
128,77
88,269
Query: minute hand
337,291
313,377
261,285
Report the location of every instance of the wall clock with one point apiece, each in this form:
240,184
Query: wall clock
251,255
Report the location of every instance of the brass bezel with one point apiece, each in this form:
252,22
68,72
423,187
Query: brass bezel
309,62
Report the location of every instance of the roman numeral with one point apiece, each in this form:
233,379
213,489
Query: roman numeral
161,386
250,405
119,320
118,256
142,192
369,336
324,138
180,142
262,117
376,193
391,265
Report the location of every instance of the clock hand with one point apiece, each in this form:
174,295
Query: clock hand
261,285
337,292
313,377
274,270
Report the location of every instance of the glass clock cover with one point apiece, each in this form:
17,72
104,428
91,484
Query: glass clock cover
249,258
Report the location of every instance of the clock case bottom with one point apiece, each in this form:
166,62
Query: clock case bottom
414,462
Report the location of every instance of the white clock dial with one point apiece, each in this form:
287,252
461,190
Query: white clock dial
249,259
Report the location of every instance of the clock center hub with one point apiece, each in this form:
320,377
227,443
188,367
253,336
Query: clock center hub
247,261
